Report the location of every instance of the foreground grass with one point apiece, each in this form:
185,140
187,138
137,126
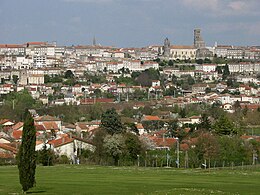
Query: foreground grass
69,179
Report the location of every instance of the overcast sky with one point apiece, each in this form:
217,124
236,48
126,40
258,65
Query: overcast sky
130,23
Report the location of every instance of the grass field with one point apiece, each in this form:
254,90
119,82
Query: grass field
80,179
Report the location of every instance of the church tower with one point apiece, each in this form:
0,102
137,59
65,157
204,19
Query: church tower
198,41
166,48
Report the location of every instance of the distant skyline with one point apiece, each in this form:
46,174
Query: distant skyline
130,23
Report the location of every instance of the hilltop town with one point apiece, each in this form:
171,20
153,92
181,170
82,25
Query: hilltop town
163,94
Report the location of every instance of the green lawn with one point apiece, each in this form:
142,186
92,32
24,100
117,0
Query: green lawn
69,179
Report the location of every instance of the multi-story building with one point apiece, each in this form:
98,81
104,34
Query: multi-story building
244,67
222,50
235,53
12,50
182,52
206,67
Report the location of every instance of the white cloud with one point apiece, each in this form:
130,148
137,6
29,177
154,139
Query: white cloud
237,5
202,4
224,7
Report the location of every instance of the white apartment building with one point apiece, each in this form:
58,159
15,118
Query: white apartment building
244,67
222,50
12,49
206,67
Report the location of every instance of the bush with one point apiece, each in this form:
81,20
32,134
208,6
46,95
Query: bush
63,159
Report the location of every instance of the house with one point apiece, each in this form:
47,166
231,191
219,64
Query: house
18,126
70,146
6,122
4,138
162,142
63,146
50,123
87,126
201,87
227,107
141,129
183,121
221,87
7,151
44,99
69,128
206,67
150,118
195,119
39,145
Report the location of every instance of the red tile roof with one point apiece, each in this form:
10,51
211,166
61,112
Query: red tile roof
61,141
139,126
163,142
151,118
17,134
250,106
3,121
18,126
49,125
39,127
8,148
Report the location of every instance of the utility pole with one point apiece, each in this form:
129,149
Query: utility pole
178,153
13,104
186,160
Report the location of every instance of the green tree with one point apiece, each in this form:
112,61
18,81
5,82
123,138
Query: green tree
183,113
69,74
205,123
199,61
98,141
146,77
223,126
133,145
111,122
207,147
27,154
226,72
170,63
46,156
207,61
233,149
190,80
15,79
15,104
173,128
219,69
139,94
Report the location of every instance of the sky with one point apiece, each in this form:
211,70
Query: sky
130,23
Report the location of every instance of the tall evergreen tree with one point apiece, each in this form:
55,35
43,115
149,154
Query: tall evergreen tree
223,126
111,122
27,154
226,72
